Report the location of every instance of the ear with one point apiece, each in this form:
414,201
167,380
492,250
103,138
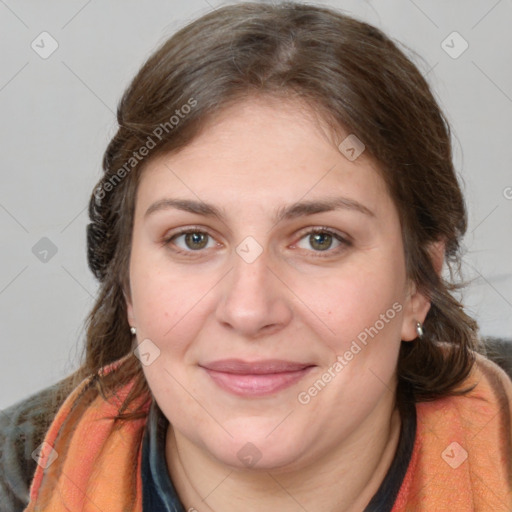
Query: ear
129,309
417,303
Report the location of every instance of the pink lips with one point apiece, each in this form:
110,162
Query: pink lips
257,378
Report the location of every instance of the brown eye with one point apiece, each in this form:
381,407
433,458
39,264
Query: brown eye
196,241
190,241
320,241
323,240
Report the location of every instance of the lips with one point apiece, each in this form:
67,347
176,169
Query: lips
237,366
257,378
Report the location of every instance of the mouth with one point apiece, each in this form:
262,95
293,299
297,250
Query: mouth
258,378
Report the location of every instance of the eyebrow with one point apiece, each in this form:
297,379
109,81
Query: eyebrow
298,209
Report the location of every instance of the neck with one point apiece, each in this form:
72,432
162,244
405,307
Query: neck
342,480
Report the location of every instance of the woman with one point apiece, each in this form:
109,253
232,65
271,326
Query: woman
274,329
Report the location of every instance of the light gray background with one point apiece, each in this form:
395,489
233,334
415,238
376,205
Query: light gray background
57,115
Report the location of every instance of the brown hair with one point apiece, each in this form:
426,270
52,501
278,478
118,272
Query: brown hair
357,79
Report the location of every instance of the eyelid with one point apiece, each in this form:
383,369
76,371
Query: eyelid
324,229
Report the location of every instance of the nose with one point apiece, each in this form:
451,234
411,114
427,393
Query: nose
254,301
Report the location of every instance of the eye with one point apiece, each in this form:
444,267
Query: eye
319,240
322,240
191,240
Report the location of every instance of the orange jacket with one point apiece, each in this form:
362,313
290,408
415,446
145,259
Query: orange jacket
461,461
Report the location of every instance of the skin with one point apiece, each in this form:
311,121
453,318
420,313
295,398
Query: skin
294,302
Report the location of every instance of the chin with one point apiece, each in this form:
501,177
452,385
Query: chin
259,451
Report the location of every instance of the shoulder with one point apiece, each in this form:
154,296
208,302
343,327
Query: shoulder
23,426
484,403
466,440
499,350
492,391
462,456
492,399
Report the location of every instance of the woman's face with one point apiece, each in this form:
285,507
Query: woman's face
270,332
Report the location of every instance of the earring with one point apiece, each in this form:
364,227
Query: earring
133,330
419,329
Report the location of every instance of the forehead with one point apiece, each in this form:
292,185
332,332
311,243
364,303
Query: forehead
267,150
264,126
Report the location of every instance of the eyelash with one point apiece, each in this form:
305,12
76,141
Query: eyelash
344,242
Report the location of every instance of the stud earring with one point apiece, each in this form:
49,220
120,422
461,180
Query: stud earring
419,329
133,330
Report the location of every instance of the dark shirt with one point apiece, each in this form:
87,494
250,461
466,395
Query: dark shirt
159,494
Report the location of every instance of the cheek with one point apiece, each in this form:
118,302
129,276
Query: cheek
364,315
356,299
155,294
363,312
169,306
